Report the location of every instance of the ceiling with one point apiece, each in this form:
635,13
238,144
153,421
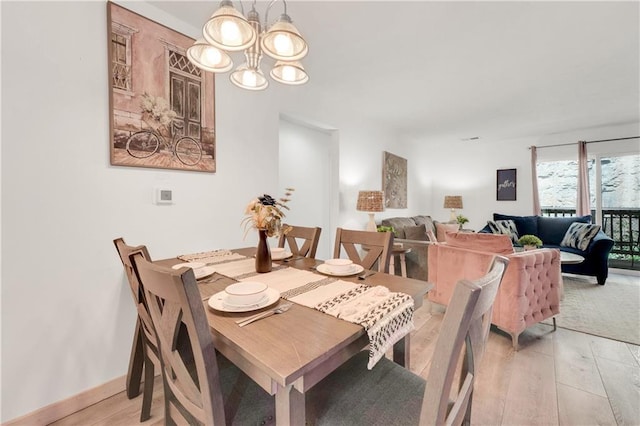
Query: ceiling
466,69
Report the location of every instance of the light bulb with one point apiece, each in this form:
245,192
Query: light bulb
211,56
283,44
230,32
288,73
249,78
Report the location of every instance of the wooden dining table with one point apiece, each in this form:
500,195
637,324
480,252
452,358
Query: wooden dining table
288,354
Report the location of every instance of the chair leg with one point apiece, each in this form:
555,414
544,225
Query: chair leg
554,323
147,393
136,362
514,340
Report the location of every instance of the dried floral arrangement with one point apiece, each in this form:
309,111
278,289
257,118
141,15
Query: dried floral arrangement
266,213
156,112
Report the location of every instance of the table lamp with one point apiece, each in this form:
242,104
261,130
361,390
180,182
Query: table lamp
453,202
371,201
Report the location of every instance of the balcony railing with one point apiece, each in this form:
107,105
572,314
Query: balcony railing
622,225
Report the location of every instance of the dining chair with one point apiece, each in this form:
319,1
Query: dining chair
309,237
376,245
197,390
144,353
390,394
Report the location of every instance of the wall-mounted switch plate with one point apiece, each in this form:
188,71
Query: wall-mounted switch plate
163,196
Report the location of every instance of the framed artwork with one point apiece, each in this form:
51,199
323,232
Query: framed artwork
506,185
161,106
394,181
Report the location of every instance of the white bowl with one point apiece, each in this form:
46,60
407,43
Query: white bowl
339,266
245,293
277,251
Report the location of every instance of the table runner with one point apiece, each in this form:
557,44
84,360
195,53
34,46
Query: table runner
386,316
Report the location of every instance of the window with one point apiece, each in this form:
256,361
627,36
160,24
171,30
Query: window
614,180
558,184
121,56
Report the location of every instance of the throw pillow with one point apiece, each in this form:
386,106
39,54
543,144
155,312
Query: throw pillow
443,228
524,224
551,230
426,221
579,235
416,233
506,227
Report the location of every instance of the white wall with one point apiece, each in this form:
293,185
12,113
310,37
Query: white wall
469,168
309,161
67,315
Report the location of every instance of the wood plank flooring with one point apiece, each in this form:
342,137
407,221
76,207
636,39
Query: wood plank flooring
556,378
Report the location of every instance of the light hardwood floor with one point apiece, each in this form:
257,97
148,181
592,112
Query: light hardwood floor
556,378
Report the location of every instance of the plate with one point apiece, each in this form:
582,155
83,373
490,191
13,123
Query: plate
285,255
324,269
217,302
194,265
200,270
204,272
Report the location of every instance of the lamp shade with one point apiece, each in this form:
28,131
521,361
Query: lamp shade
370,201
283,41
452,201
227,29
249,78
208,57
289,73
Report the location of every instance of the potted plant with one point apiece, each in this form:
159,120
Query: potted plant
530,242
382,228
461,220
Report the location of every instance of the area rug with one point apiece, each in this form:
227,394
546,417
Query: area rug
611,310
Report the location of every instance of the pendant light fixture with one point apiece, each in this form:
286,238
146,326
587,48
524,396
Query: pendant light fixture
228,30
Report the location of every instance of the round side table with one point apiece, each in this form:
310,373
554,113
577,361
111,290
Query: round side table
400,251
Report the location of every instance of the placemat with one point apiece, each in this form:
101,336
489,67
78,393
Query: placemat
386,316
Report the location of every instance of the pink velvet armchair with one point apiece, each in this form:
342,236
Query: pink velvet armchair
531,287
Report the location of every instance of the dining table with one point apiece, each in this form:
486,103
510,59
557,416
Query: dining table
289,353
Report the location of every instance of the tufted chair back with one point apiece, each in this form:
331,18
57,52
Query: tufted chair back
530,290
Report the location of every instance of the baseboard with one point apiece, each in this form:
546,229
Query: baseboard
631,272
61,409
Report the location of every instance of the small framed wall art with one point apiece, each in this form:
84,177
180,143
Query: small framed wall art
161,106
506,185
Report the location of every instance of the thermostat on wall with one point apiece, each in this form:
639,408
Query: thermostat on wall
163,196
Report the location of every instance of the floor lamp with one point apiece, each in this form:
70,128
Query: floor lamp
371,201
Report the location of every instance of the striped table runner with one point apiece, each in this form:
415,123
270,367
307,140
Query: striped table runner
386,316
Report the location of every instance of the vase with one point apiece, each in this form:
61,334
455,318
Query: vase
263,254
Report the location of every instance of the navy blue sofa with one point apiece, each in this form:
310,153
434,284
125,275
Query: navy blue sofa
551,230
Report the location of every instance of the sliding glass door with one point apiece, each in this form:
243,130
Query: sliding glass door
614,182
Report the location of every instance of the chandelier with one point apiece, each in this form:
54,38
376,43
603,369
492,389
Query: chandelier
229,31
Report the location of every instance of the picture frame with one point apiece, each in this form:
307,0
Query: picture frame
506,184
161,106
394,181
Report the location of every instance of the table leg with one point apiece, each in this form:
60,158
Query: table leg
402,351
136,363
290,408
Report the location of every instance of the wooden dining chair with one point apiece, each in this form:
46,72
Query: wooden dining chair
309,237
196,390
392,395
144,353
376,245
